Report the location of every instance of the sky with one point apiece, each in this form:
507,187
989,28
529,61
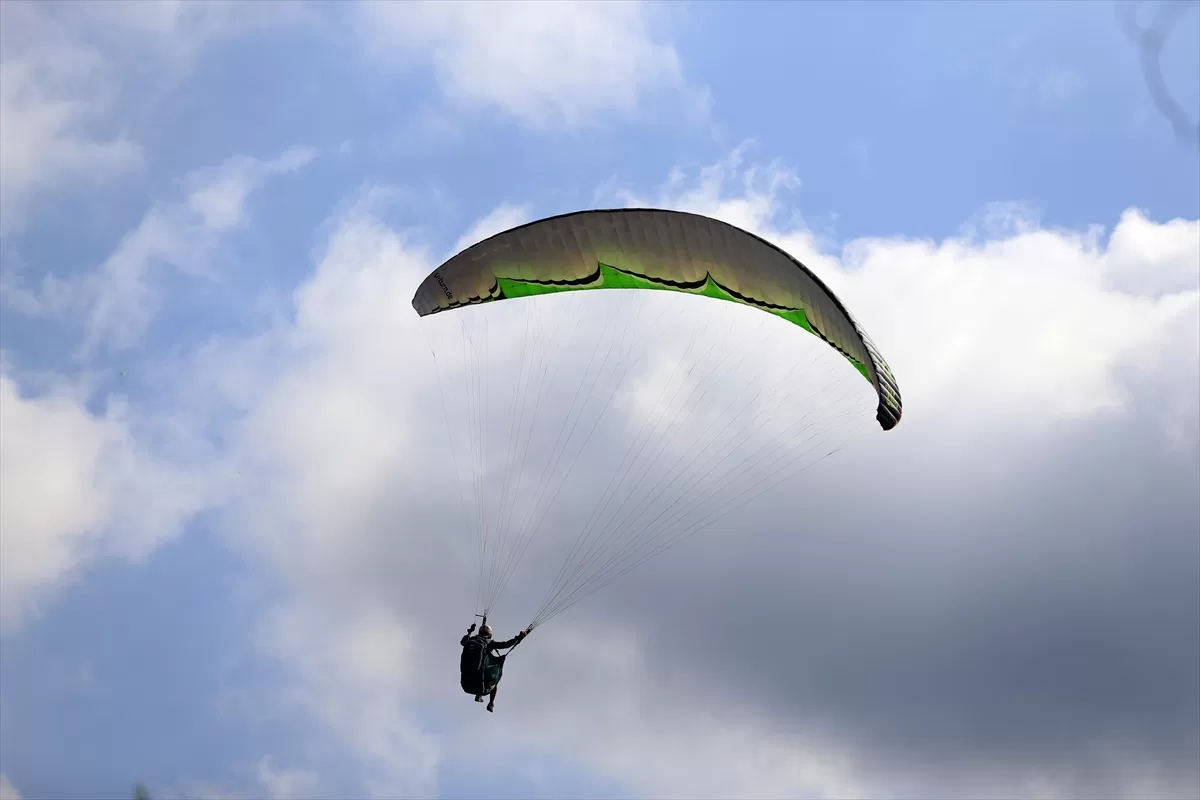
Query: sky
234,562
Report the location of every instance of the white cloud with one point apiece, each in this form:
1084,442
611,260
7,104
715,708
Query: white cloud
353,676
75,76
219,195
750,197
1151,259
119,300
1031,321
52,90
76,486
270,783
7,792
547,64
1034,320
996,342
286,784
499,219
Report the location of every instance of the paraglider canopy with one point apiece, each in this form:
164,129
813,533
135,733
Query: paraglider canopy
657,249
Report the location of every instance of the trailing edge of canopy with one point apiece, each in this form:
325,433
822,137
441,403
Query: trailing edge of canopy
662,250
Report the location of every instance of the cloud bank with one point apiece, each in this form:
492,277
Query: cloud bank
549,66
999,597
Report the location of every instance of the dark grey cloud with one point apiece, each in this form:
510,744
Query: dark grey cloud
971,613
